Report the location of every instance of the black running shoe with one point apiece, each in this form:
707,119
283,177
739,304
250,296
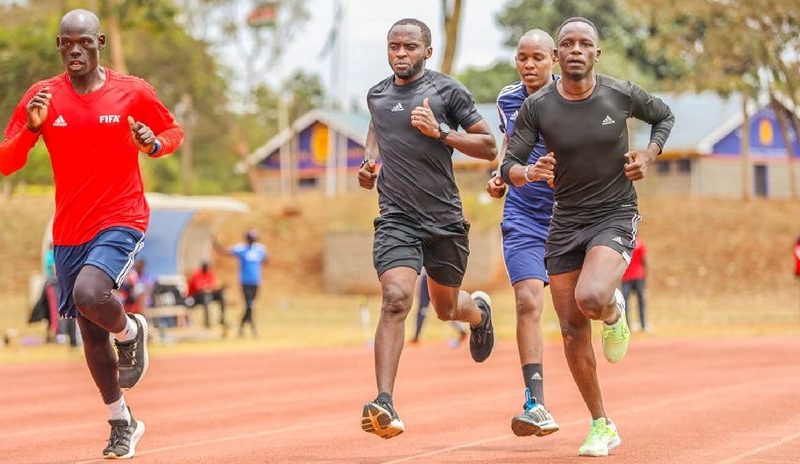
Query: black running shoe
380,418
123,439
132,357
481,338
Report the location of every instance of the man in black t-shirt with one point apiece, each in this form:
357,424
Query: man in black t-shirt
415,114
582,118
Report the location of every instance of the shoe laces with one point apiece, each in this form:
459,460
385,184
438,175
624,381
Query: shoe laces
597,431
126,353
120,433
530,400
387,406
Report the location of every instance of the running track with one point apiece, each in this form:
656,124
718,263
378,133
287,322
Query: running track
686,402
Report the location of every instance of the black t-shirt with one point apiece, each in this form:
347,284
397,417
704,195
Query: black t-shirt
589,138
416,180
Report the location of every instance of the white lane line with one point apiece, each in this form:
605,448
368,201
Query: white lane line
624,412
762,448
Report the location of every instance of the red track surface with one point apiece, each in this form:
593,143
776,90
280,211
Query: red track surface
686,402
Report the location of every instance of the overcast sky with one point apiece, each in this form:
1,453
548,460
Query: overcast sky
366,25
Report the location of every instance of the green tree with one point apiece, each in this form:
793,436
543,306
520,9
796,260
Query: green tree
155,46
486,83
748,47
622,35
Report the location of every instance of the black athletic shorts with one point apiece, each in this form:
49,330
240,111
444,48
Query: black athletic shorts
443,251
568,241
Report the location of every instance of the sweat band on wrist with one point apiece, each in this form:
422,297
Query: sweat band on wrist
525,173
156,147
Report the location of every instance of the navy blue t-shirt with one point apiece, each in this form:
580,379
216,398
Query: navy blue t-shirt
535,199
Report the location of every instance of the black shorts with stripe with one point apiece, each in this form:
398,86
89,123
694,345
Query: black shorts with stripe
568,241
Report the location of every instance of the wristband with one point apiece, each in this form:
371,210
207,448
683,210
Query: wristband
364,163
156,148
525,173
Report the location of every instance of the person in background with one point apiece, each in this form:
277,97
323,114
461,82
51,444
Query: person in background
422,312
203,289
251,255
633,280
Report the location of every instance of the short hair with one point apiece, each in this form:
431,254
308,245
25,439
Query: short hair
578,19
426,31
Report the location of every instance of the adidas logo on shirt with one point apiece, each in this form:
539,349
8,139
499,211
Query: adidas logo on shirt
397,107
59,122
514,115
607,121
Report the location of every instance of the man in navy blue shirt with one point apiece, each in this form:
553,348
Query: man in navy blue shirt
251,255
526,219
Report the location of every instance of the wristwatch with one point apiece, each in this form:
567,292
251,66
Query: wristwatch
444,131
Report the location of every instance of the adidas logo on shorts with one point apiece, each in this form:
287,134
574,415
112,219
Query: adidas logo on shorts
607,121
60,122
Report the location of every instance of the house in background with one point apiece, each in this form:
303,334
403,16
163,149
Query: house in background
323,150
703,154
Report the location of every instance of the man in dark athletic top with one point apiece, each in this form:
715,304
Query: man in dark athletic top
421,221
582,118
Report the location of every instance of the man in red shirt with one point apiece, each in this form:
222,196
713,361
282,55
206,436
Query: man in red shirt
95,122
203,289
797,258
633,280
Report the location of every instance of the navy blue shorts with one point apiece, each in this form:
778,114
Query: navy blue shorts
524,249
113,250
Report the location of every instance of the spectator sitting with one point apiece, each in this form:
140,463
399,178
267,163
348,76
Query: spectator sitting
203,289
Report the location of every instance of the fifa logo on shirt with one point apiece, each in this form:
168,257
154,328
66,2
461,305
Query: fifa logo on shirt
109,118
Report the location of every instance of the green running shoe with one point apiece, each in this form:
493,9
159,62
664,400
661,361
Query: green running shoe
617,336
602,438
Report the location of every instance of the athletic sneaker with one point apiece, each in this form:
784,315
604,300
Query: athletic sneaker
380,418
602,438
535,420
123,439
616,336
481,338
132,358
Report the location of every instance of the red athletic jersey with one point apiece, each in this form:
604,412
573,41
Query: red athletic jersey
95,162
636,270
797,260
202,281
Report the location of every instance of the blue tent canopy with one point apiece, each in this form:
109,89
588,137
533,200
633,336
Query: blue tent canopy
162,242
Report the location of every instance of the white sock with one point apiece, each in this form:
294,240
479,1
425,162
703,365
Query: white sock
129,332
617,304
118,410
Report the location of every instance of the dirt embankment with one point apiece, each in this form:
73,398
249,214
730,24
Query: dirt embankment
700,246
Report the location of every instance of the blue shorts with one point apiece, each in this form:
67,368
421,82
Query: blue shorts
112,250
523,249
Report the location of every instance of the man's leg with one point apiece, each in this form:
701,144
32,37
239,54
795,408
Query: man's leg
642,303
422,308
97,305
627,288
598,298
101,359
397,288
95,301
536,419
576,332
454,304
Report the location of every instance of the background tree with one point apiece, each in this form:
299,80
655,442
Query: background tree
737,46
451,16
